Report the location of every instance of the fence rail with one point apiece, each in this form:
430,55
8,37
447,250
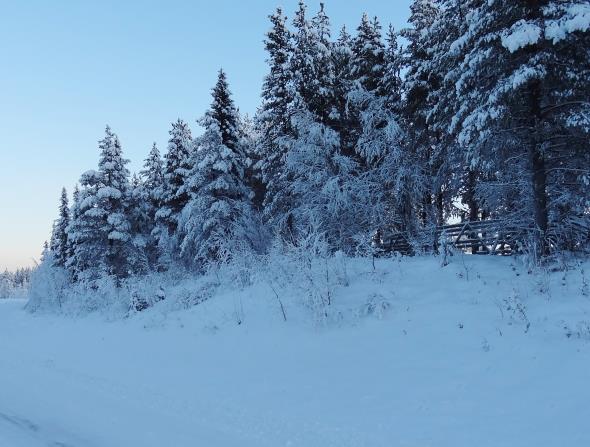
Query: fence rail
489,237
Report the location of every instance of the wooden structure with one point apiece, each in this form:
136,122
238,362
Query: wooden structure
488,237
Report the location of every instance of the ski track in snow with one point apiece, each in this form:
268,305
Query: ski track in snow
18,431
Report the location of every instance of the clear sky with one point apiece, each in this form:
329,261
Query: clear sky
69,67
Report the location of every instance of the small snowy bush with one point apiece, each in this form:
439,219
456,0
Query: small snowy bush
49,285
376,305
581,330
516,310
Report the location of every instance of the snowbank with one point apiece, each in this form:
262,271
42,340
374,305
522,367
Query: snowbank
407,353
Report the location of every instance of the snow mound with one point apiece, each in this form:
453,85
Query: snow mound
406,352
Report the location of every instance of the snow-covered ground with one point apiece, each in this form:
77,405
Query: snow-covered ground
412,354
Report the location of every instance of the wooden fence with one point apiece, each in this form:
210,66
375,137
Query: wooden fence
489,237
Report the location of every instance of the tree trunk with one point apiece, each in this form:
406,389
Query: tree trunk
426,206
472,204
539,180
440,215
536,157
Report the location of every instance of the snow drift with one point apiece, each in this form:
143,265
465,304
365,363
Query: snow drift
339,352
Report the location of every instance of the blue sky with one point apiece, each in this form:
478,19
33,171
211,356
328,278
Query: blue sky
70,67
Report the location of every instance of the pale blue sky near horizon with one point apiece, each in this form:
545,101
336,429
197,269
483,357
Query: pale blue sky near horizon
70,67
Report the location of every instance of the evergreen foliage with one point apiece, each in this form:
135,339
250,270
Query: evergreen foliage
478,110
219,197
59,239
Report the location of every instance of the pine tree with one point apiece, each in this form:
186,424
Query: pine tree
517,91
566,118
59,240
219,196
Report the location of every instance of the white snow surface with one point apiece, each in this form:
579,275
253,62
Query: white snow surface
521,35
412,354
576,18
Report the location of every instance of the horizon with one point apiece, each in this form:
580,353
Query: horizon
75,68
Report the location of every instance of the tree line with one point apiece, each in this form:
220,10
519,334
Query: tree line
477,110
11,282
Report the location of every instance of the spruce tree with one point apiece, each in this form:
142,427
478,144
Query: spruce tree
113,204
323,102
147,189
59,239
177,167
249,146
343,85
152,175
459,179
273,115
367,69
391,82
368,62
85,231
74,217
100,229
389,167
219,196
302,60
419,82
150,192
273,120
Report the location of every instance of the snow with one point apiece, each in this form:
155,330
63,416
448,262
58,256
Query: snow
411,354
108,192
576,18
521,35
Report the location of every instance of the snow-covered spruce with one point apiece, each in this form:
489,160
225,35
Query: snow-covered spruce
483,114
